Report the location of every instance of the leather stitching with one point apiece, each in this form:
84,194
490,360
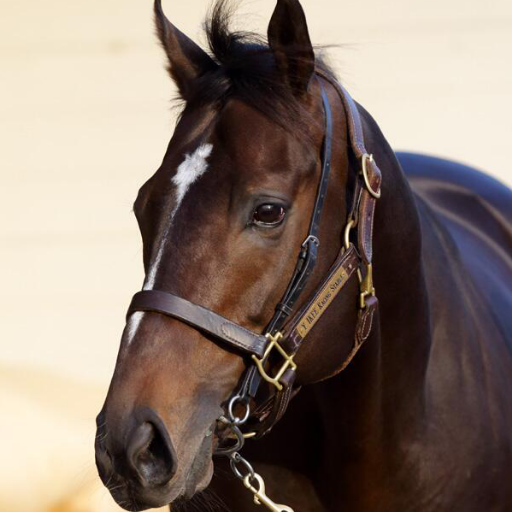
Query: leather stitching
237,341
283,403
366,329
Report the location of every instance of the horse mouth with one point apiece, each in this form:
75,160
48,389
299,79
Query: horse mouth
201,471
134,497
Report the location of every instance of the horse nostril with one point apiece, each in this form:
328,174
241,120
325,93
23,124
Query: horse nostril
150,453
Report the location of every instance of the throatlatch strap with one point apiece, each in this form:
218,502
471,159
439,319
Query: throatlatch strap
373,178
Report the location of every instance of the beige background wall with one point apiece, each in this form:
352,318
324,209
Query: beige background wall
85,118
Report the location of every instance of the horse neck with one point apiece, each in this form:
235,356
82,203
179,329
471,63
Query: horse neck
380,395
405,335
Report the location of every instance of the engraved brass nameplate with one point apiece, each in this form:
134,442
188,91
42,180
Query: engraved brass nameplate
322,300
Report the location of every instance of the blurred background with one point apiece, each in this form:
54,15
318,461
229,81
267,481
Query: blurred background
85,118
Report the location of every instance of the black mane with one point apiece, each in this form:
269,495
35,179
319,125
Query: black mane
246,70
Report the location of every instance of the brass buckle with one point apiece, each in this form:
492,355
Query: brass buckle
350,224
364,164
365,285
288,360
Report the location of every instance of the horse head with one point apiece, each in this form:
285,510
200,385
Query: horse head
222,221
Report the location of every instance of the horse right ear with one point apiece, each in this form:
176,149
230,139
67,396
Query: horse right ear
187,60
288,38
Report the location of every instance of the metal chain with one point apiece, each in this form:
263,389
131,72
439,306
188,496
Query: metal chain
241,467
236,460
234,422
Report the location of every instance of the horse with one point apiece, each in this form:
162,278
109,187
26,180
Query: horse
279,199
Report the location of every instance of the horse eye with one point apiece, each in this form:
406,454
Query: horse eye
268,214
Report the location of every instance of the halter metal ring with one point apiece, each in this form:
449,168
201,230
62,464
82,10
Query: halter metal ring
236,436
235,419
365,159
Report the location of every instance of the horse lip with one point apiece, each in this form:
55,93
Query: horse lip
135,501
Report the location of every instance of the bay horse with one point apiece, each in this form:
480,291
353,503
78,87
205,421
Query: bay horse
280,210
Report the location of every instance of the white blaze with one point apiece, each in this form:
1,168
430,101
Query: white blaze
194,166
133,325
189,170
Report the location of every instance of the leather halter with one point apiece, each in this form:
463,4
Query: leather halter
287,329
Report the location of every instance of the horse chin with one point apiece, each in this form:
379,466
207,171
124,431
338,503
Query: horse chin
201,471
199,482
135,502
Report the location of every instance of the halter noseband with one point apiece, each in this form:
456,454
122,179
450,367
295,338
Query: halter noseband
287,329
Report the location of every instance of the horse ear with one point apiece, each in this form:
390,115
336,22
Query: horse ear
187,60
289,41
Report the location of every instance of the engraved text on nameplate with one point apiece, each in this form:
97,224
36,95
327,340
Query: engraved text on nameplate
322,301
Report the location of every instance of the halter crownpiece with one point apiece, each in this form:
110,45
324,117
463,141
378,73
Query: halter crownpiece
287,329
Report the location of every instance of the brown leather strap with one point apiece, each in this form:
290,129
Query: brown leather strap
366,209
273,409
347,262
299,326
275,406
308,252
303,321
355,125
199,317
362,213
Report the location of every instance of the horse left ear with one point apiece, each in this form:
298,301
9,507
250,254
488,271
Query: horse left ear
289,41
187,60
